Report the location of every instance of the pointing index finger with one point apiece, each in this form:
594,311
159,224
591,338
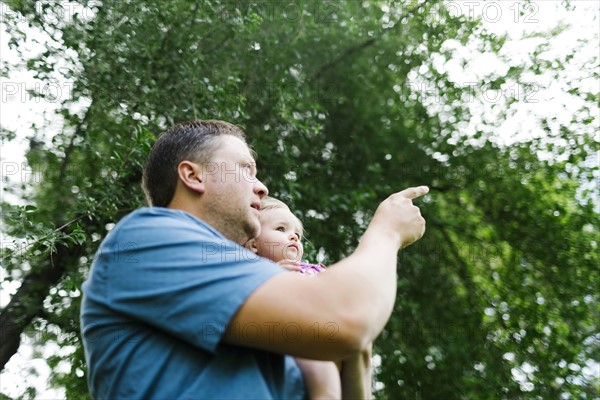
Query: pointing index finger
414,192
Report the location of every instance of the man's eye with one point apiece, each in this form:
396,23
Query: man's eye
247,167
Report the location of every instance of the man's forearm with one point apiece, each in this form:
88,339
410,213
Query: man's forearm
365,282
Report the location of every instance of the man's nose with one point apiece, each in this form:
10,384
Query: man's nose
260,189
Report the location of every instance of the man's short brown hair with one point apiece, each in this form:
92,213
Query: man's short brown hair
194,141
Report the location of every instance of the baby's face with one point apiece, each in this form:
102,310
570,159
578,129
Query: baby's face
280,236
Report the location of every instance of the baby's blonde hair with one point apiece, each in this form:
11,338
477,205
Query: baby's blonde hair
271,203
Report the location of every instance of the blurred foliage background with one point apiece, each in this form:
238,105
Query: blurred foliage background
345,102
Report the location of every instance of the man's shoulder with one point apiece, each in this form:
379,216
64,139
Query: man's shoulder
163,232
163,219
155,214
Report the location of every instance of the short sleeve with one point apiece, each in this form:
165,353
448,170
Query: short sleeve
167,269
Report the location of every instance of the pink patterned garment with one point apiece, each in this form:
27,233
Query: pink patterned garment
311,269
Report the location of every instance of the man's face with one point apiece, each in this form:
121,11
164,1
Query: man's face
232,195
280,236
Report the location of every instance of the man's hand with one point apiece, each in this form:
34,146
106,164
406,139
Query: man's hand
398,217
290,265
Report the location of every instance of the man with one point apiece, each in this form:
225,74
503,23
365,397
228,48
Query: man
174,307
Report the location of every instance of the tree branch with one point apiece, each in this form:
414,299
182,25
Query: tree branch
361,46
27,303
347,53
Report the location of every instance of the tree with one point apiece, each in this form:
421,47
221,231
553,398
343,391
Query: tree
496,301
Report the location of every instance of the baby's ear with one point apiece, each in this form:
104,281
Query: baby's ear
251,245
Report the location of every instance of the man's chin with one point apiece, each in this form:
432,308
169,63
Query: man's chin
252,231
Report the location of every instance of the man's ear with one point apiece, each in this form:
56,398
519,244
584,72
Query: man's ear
251,245
190,175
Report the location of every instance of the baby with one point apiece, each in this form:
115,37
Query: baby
280,240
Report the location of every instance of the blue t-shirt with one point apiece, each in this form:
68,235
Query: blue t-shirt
162,289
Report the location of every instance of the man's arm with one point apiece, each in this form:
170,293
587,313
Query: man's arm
343,309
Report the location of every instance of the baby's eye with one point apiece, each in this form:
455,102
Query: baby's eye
280,229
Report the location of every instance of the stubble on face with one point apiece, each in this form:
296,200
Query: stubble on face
233,227
230,192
